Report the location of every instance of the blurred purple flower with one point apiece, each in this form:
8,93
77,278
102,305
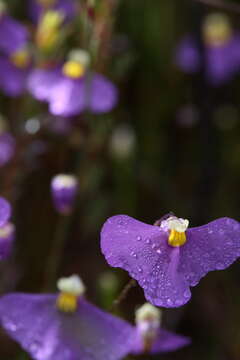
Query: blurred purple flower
64,191
150,337
7,237
7,148
167,259
222,62
37,7
14,70
5,211
68,96
13,35
221,52
64,326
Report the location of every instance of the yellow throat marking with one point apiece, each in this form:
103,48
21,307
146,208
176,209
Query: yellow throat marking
67,302
176,238
20,58
73,69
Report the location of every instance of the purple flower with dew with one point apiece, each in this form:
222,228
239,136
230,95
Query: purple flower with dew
7,237
64,191
167,258
13,35
71,89
5,211
64,326
150,337
222,51
14,70
7,148
66,7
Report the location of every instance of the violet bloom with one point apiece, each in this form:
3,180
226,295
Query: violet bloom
13,35
64,191
166,259
71,89
14,70
150,337
68,8
221,54
7,148
7,237
64,326
5,211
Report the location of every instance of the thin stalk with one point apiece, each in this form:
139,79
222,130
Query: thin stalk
123,294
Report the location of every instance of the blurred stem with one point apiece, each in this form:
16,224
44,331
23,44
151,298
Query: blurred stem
55,255
123,294
222,5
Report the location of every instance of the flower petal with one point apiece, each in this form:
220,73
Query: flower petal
5,211
187,56
166,341
48,334
103,94
12,79
67,97
67,7
13,35
143,251
214,246
41,82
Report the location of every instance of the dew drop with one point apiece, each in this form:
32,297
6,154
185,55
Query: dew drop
134,254
139,238
148,241
154,246
186,294
159,251
140,270
169,302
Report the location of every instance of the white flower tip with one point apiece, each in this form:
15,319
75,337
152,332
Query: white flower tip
71,285
61,181
148,312
81,56
174,223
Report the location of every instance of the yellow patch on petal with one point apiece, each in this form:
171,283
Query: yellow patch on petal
48,32
73,69
217,30
20,58
67,302
176,238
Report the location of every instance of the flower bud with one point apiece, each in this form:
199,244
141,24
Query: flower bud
64,190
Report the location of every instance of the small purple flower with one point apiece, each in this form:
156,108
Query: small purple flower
64,191
7,148
5,211
66,7
14,70
149,335
64,326
167,258
221,54
13,35
71,89
7,237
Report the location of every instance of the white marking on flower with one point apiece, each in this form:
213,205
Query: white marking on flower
173,223
71,285
64,181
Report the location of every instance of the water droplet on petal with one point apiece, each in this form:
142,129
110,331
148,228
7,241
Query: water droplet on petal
139,238
148,241
133,254
169,302
159,251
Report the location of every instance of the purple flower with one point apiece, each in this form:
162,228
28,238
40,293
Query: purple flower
64,326
7,148
13,35
64,191
7,237
71,89
67,7
14,70
5,211
149,335
167,259
221,54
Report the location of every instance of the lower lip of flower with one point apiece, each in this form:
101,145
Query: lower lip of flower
67,302
176,238
73,69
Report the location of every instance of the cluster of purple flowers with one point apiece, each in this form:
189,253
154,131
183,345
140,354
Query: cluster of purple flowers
166,259
67,85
